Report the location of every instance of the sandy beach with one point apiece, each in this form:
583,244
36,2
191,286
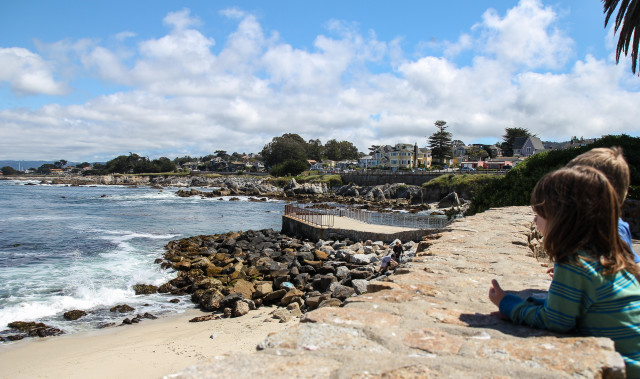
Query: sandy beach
151,349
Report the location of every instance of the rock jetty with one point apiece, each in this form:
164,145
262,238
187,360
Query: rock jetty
236,272
432,318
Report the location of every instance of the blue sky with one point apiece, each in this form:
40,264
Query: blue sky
91,80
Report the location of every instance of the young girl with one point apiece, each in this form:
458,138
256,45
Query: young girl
595,289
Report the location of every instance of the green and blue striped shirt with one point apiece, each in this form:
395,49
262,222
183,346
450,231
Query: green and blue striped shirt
582,299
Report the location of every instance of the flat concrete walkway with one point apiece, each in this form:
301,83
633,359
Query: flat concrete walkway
352,224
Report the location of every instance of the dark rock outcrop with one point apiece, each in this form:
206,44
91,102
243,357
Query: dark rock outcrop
74,315
122,308
144,289
32,329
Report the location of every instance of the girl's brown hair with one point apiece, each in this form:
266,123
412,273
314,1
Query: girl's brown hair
582,211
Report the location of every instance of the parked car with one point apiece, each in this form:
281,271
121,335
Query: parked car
467,168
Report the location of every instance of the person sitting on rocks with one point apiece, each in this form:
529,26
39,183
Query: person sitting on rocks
397,251
387,262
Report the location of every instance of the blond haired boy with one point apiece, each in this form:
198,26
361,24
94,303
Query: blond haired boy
611,162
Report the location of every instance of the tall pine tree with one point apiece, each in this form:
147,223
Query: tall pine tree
440,143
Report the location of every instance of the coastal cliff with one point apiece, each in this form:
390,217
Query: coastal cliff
432,318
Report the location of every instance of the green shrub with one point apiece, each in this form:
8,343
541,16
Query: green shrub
466,183
280,182
334,180
515,188
289,167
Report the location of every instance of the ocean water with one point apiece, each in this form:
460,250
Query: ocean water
64,248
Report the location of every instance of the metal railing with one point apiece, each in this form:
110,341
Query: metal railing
392,219
319,218
378,218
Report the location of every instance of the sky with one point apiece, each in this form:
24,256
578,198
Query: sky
92,80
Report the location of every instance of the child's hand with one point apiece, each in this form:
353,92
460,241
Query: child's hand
495,293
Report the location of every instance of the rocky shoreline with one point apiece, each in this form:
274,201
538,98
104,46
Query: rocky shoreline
327,272
233,273
382,198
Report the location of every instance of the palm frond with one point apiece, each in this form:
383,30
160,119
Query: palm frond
627,22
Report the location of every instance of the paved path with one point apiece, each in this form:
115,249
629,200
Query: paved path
352,224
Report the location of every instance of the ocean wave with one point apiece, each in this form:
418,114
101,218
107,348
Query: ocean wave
127,235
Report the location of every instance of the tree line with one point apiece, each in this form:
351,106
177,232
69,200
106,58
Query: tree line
288,154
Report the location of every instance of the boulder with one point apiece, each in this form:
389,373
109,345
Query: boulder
275,295
240,309
342,272
321,255
244,287
166,288
322,283
294,309
182,266
122,308
74,315
144,289
208,283
33,329
330,303
342,292
210,300
451,200
262,288
282,314
290,296
362,259
230,300
359,285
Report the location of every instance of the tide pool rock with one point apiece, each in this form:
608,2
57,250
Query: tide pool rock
144,289
122,308
74,314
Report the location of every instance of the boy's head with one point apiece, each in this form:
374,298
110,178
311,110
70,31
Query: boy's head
611,163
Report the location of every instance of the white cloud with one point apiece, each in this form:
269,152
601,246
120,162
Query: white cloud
526,36
185,99
124,35
27,73
233,13
181,20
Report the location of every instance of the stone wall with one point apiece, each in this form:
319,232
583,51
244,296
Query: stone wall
432,318
379,177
